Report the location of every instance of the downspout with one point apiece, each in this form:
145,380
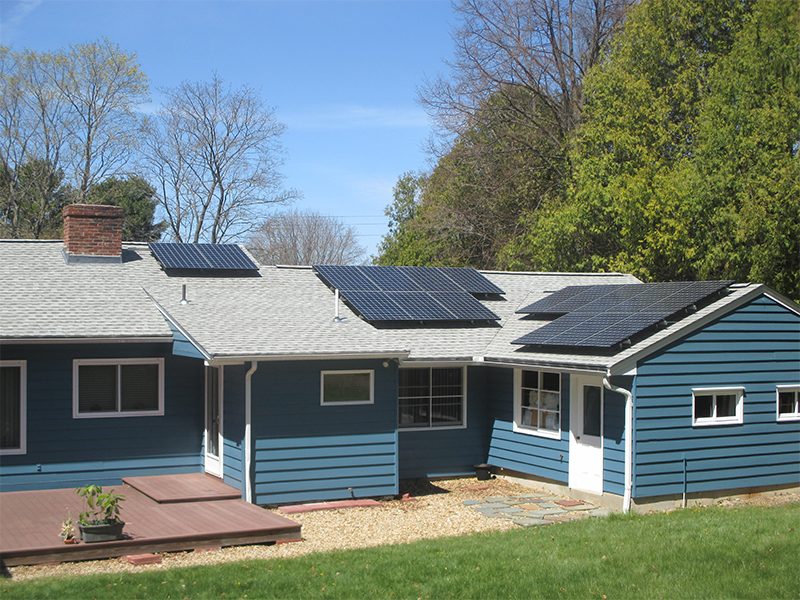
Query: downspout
626,498
248,485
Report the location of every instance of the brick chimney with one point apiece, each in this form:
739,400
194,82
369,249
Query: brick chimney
93,230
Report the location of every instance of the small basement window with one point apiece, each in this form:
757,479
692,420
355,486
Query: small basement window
347,387
788,402
12,406
431,398
123,387
717,406
537,402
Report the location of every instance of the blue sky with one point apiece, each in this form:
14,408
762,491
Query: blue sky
343,77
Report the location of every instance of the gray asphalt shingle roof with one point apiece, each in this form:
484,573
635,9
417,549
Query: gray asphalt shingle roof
286,312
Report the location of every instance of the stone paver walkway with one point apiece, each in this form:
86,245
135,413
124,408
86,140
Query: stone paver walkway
530,509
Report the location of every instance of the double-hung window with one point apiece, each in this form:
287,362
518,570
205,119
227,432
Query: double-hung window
717,406
788,402
537,402
12,406
431,398
123,387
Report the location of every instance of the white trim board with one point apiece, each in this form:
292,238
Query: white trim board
23,407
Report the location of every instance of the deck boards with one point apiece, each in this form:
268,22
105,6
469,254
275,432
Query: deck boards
189,487
30,523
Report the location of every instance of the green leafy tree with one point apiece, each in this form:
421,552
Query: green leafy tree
138,201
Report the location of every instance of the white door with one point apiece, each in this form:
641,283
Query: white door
586,434
213,435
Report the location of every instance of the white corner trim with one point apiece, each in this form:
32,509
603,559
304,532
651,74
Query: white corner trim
22,365
369,372
118,362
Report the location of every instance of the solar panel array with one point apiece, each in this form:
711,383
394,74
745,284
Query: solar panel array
603,316
411,293
202,257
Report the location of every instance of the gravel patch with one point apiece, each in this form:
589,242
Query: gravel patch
437,510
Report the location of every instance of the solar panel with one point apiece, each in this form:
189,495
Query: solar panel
226,256
345,278
604,316
465,306
202,257
470,280
411,293
391,279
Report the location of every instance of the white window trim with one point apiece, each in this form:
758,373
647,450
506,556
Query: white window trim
79,362
515,426
464,402
792,387
369,372
23,407
738,419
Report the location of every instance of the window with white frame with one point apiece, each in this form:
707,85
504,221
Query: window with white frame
717,406
124,387
12,406
347,387
431,397
788,402
537,402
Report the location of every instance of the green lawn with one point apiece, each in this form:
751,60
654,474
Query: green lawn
699,553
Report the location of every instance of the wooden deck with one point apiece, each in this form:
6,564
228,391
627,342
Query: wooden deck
191,487
31,521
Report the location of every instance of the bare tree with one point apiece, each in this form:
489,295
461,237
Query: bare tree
533,54
305,238
214,154
101,84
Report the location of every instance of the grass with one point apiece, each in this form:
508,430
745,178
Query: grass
750,552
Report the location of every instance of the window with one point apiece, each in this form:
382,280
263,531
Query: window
124,387
788,402
431,398
537,403
347,387
717,406
13,381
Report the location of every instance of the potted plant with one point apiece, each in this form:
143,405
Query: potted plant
68,530
101,522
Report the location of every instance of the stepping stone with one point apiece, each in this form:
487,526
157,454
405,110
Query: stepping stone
537,506
526,500
543,513
471,502
583,507
494,505
512,510
496,499
568,503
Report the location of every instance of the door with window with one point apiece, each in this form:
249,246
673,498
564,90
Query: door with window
586,434
213,435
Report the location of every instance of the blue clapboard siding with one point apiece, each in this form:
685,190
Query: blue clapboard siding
439,453
530,454
233,426
305,451
756,346
67,452
614,437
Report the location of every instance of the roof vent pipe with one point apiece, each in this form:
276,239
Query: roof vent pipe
183,295
336,317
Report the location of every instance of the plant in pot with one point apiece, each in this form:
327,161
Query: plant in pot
68,530
101,522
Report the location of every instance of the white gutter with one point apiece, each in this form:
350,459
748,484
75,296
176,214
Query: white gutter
248,485
626,498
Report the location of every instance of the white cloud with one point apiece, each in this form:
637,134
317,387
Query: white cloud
12,14
357,117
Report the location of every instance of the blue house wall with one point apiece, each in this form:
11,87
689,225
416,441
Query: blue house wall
756,346
529,454
67,452
304,451
233,426
450,452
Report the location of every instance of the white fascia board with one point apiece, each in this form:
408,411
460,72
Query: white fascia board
88,340
179,327
542,364
219,359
